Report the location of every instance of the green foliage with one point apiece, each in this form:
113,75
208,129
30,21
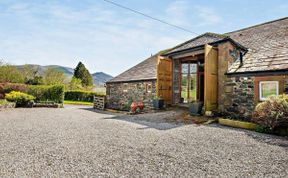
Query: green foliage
10,74
53,77
83,74
37,80
273,112
53,93
79,95
21,99
263,129
75,84
31,75
8,87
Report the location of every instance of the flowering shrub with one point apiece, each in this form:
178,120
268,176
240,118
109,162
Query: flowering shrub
273,112
21,99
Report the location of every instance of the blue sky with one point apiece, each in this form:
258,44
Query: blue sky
109,39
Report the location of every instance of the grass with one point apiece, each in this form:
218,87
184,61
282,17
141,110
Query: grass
3,101
78,102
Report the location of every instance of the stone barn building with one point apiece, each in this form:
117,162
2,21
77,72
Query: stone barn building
230,73
135,84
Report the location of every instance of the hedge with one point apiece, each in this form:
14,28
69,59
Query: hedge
54,93
78,95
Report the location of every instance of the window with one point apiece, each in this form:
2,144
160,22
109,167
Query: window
148,88
268,88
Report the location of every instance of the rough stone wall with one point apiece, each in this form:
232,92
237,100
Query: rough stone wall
120,95
236,94
239,101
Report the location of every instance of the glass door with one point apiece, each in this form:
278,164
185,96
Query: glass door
189,82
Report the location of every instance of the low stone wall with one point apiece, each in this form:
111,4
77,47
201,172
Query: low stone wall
120,95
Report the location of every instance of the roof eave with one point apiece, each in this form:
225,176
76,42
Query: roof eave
257,73
131,81
202,46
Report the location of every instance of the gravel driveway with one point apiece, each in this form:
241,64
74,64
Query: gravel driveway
77,142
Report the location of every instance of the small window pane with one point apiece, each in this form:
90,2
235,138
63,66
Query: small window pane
185,68
268,89
193,68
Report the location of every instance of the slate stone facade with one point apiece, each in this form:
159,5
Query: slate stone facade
239,98
120,95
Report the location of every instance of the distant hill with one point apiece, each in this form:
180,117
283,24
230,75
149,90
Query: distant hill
99,78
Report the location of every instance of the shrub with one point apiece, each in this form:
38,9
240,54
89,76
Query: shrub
78,95
53,93
8,87
273,112
9,73
21,99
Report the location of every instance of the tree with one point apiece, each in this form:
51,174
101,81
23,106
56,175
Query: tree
83,74
75,84
9,73
31,75
52,76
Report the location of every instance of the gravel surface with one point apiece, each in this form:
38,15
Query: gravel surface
77,142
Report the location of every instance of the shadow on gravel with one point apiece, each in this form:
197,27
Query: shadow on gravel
260,137
160,120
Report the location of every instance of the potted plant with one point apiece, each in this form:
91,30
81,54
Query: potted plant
158,103
195,107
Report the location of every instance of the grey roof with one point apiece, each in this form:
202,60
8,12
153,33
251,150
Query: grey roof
267,51
146,70
200,40
267,44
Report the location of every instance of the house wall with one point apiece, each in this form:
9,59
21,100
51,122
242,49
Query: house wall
238,96
235,95
119,95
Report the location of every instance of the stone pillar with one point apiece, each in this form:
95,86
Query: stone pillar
225,84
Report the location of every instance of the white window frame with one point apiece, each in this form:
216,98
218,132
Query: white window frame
260,88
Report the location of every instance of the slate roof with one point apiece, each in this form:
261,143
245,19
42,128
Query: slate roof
146,70
200,40
267,44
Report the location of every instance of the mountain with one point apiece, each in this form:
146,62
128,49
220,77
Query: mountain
99,78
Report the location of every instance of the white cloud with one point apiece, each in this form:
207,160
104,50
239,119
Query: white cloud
208,16
104,39
176,12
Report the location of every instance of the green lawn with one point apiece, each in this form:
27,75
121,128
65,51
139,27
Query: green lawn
78,102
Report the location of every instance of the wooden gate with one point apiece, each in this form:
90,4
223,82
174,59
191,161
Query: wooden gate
164,79
211,78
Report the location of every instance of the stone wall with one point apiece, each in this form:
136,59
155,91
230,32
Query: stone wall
235,94
120,95
239,101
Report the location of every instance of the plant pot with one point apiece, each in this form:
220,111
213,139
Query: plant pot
133,106
158,104
141,105
195,108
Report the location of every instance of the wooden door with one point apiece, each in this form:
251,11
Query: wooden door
164,79
211,78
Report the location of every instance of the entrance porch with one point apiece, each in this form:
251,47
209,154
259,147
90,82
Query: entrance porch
194,78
